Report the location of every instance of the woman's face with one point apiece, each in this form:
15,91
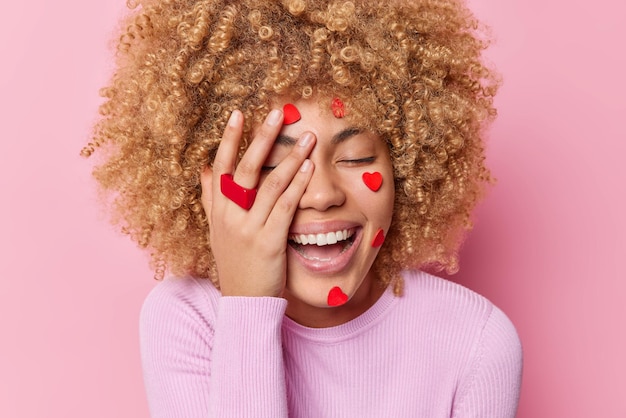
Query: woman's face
341,218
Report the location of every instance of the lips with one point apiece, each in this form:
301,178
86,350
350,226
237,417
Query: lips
325,252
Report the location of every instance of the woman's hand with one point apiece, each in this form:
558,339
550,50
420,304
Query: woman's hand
250,246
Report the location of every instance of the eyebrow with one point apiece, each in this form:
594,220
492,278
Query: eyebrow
338,138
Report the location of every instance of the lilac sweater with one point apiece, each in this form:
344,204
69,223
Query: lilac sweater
440,350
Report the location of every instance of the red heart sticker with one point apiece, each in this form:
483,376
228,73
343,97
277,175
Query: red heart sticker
336,297
337,107
378,239
291,114
373,180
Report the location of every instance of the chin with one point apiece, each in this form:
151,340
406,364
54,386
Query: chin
314,291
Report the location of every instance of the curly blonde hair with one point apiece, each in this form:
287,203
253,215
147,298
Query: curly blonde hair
410,71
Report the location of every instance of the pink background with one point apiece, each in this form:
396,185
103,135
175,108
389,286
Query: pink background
547,247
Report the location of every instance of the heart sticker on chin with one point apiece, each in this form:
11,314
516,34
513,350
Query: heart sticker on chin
291,114
373,180
336,297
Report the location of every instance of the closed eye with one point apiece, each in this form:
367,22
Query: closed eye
358,161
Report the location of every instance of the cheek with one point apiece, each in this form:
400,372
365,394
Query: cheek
384,197
374,190
387,203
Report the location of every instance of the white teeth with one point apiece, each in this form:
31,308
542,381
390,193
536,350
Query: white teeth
322,239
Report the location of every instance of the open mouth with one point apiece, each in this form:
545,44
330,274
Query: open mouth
322,247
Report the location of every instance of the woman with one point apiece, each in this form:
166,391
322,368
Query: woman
308,158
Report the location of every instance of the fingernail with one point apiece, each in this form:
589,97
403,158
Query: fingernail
306,166
273,118
234,119
305,139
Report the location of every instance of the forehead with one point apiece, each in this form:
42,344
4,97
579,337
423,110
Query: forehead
322,117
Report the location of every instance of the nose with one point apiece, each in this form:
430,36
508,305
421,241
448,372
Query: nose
323,191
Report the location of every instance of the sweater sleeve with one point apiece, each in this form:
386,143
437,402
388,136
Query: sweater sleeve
207,358
492,386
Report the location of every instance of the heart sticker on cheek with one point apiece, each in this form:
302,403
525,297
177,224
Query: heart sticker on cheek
336,297
378,239
291,114
373,180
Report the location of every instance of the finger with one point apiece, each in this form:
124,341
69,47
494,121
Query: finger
206,182
249,168
284,210
227,152
276,182
226,156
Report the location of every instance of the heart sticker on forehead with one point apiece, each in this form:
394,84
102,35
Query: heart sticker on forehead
291,113
336,297
373,180
337,107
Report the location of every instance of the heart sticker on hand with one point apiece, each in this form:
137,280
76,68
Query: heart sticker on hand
336,297
373,180
378,239
291,114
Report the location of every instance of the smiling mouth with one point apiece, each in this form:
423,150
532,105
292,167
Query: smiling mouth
322,247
